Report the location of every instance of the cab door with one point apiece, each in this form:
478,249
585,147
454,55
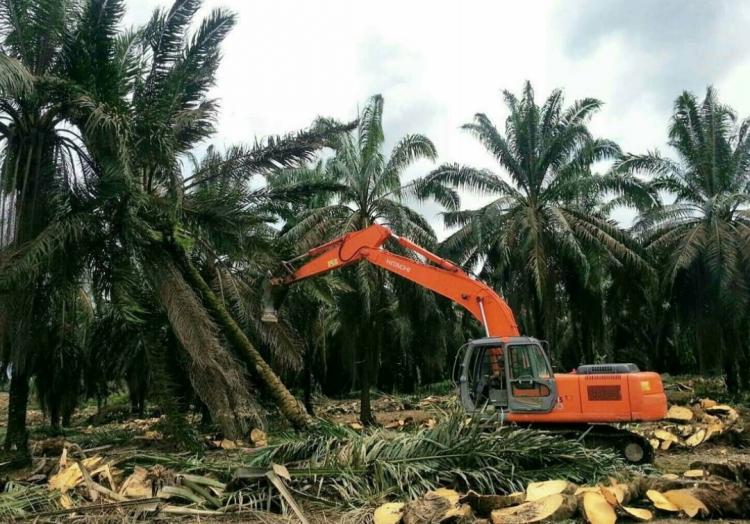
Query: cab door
530,378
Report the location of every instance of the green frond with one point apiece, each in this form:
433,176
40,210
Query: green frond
15,79
371,127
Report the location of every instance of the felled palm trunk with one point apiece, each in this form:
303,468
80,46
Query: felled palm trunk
289,406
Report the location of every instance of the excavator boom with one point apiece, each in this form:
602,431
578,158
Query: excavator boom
440,275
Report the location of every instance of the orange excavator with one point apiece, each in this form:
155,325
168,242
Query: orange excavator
504,376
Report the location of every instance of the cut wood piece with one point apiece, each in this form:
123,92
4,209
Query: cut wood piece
695,473
663,434
430,508
661,502
483,505
687,430
617,494
69,477
654,442
136,486
258,438
586,489
228,444
706,403
670,476
728,413
696,438
609,496
460,513
597,510
547,509
538,490
715,428
389,513
721,409
637,513
687,502
679,414
665,445
451,495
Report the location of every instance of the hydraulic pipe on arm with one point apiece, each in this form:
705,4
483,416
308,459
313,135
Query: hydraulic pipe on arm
441,276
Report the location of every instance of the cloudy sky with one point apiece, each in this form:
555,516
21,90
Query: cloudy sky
438,62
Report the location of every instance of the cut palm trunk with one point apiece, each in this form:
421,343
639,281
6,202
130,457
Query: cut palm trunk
596,509
546,509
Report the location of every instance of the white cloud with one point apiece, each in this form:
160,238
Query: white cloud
439,62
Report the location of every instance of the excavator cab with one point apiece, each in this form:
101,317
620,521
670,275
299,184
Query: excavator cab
510,374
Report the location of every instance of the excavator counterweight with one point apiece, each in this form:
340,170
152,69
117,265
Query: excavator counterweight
504,376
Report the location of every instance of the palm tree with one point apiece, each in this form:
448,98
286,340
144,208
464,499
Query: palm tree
702,237
370,190
130,220
543,237
42,94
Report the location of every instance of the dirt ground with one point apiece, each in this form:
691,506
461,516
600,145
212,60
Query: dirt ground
398,413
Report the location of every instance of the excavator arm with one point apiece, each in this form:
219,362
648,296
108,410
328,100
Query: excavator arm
441,276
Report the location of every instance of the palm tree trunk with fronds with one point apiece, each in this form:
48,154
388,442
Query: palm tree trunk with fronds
289,406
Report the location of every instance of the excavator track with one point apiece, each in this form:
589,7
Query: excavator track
634,448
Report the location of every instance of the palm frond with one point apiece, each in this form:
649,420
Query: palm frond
364,467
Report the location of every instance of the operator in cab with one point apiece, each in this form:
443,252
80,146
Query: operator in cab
496,367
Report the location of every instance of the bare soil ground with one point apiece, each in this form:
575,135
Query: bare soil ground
398,413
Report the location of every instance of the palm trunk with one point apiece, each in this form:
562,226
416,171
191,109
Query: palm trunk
17,438
365,408
365,366
308,385
289,406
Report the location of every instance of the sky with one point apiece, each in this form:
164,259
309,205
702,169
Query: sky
437,63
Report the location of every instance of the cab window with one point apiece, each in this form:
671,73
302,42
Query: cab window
527,360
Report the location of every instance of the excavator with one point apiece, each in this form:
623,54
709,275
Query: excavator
505,377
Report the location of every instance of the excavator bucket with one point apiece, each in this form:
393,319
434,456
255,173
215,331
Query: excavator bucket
269,313
271,299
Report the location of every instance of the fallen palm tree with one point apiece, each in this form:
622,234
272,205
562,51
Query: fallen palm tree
364,466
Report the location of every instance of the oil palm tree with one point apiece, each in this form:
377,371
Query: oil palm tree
43,91
370,190
545,222
127,218
703,235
